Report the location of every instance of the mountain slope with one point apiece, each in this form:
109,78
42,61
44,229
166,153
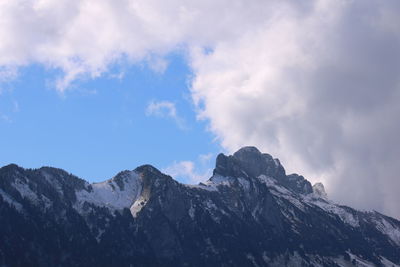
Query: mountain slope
249,213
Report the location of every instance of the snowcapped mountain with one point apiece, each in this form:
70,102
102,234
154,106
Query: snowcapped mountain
249,213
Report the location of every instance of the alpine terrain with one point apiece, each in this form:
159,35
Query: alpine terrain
249,213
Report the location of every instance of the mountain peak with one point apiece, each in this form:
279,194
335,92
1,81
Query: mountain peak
250,214
247,150
11,167
248,161
148,168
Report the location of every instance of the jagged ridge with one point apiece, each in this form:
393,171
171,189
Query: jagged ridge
249,213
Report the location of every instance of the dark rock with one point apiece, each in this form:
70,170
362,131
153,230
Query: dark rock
240,217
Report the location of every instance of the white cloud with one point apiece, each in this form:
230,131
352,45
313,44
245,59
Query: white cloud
7,73
315,83
161,109
192,172
185,171
205,158
318,89
5,118
158,64
82,37
165,109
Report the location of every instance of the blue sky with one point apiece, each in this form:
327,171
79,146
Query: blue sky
100,126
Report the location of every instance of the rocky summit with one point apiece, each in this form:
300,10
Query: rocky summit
249,213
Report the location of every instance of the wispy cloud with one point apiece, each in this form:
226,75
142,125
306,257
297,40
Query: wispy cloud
15,106
158,64
165,109
8,114
187,172
191,172
205,159
5,118
8,73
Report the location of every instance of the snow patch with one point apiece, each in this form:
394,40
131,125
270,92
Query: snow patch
386,262
217,179
388,229
250,257
210,246
280,191
333,208
191,212
210,205
138,206
46,202
245,184
359,261
25,191
202,186
213,183
54,182
300,200
286,259
7,198
100,233
109,194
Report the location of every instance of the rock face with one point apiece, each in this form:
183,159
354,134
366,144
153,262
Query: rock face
249,213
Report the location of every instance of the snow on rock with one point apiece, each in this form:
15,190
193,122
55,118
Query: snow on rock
386,262
110,194
138,205
252,259
319,191
387,228
54,182
209,204
245,184
191,212
287,259
25,191
217,179
7,198
213,183
329,206
300,200
359,261
280,191
203,186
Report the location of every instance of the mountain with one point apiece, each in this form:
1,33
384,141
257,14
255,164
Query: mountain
249,213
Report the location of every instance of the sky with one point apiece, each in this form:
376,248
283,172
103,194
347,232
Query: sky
106,125
98,87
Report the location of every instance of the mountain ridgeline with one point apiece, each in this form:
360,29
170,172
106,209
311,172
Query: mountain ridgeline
249,213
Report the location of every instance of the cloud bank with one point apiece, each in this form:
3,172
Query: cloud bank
319,90
315,83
